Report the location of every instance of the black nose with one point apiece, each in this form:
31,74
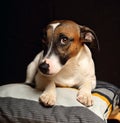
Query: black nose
44,67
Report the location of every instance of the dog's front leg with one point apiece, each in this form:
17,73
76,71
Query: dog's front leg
84,95
32,68
48,97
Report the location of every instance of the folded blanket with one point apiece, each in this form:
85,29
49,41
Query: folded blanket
19,104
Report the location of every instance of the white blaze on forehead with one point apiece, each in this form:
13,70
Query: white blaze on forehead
54,25
53,60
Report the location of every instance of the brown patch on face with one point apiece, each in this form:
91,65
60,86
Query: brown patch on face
74,48
71,32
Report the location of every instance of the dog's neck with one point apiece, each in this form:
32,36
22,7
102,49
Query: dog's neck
83,52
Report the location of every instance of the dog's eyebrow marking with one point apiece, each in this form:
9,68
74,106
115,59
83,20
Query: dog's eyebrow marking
54,25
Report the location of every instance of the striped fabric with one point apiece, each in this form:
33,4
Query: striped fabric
109,94
23,111
19,104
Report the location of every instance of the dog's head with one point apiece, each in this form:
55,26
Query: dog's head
63,40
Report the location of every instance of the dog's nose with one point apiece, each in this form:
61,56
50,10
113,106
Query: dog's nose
44,67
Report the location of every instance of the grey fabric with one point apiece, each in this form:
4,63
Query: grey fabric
19,104
65,97
110,91
25,111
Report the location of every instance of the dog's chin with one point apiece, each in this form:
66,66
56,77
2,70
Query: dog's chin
48,74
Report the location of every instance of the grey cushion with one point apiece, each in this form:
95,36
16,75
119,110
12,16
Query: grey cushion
19,104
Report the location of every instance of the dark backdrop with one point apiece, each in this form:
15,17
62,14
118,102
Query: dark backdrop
23,20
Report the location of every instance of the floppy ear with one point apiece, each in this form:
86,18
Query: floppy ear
89,37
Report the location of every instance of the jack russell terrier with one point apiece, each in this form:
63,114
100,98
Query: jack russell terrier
65,62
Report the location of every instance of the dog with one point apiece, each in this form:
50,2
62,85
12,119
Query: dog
65,62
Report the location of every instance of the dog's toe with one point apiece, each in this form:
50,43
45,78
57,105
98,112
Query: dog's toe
85,99
48,99
82,99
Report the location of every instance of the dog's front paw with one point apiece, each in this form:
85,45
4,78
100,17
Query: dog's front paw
85,98
48,98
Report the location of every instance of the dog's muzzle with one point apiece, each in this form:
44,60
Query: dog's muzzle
50,65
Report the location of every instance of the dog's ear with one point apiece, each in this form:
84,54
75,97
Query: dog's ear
89,37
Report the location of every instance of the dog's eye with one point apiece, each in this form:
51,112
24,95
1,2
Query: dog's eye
64,40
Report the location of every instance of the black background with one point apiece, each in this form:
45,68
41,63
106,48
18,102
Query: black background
23,20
